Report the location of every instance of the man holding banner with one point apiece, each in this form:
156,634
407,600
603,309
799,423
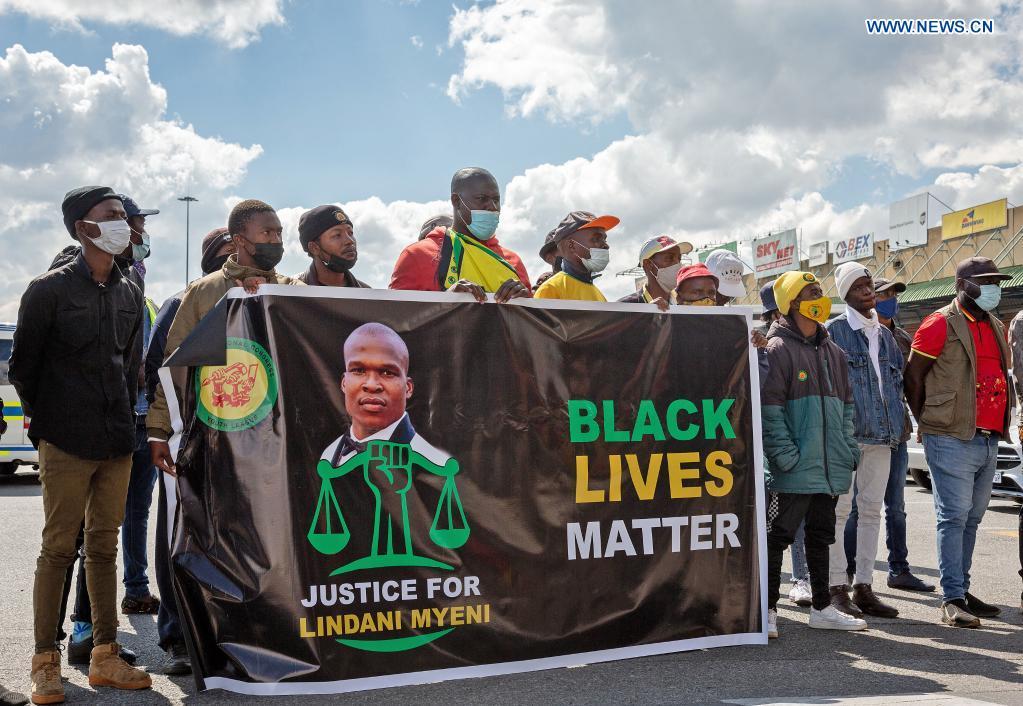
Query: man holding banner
467,257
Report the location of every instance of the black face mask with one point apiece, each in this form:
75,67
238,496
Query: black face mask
267,255
338,264
217,263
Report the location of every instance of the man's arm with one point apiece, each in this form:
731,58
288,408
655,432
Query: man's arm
779,444
132,358
916,373
35,319
158,423
158,344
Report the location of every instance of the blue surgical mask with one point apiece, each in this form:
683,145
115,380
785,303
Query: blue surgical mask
482,224
990,295
140,252
887,308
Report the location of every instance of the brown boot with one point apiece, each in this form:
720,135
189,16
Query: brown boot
107,669
865,600
46,685
840,599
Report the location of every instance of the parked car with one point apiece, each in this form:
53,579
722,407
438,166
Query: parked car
15,448
1008,481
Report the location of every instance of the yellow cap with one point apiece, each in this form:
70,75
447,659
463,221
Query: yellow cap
788,286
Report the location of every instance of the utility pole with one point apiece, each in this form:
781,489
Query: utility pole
188,203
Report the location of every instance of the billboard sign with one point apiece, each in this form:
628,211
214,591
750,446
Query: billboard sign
818,254
976,219
907,223
776,253
854,248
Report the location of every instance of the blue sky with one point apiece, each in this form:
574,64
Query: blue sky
342,102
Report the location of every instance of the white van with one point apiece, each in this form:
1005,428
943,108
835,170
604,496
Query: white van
15,448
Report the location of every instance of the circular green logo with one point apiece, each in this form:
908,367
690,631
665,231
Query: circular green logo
239,394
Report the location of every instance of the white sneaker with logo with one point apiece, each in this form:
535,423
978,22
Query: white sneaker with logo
833,619
772,623
800,593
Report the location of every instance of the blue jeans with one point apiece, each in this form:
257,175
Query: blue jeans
894,517
961,476
134,531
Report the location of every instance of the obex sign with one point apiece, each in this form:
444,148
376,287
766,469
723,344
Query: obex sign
774,254
854,248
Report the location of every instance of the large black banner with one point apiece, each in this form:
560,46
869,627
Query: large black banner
384,488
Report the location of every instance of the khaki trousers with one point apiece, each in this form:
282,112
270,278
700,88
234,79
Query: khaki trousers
77,489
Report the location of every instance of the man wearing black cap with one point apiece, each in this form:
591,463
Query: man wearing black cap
74,367
581,242
467,257
327,234
886,304
957,388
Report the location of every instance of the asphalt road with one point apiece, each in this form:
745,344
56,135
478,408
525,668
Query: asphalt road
910,655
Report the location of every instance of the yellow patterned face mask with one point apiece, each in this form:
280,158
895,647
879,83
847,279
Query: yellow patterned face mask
816,309
706,301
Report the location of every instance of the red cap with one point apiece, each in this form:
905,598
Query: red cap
693,271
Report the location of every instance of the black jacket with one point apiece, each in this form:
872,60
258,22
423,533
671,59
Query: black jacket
73,364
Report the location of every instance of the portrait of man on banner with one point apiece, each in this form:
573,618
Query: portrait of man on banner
382,442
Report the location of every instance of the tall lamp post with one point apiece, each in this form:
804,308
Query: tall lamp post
188,203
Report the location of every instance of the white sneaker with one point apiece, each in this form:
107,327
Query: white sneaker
772,623
833,619
800,593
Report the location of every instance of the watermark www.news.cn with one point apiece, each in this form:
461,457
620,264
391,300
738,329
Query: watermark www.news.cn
930,26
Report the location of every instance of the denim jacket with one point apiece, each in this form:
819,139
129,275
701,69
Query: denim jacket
877,420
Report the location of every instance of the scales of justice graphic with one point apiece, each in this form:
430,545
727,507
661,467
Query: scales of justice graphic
388,468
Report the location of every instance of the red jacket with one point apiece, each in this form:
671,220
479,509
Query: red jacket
417,264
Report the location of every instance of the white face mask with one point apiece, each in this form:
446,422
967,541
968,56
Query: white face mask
598,259
114,236
666,276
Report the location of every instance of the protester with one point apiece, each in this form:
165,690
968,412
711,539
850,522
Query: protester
74,367
442,221
957,387
800,592
255,231
467,257
581,243
696,285
886,304
661,259
327,235
216,248
549,254
875,376
728,268
807,413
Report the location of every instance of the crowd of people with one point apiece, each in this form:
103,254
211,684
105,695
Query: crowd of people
836,397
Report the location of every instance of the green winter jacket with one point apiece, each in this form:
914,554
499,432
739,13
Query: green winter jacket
807,414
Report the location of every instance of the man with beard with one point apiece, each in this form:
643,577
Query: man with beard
327,234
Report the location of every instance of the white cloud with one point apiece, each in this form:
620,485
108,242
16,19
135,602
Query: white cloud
417,41
65,126
743,112
235,23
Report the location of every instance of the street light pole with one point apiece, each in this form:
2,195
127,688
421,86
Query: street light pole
188,203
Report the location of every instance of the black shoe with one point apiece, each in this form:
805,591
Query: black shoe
11,698
80,653
865,600
840,599
980,608
177,663
908,582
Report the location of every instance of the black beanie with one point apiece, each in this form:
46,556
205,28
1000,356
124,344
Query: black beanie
80,201
314,222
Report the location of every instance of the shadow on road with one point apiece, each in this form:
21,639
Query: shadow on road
20,485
